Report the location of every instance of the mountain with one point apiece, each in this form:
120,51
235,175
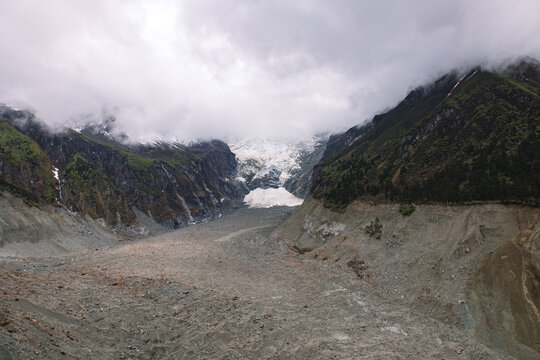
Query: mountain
465,138
465,150
91,172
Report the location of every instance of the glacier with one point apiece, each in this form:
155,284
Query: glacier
264,165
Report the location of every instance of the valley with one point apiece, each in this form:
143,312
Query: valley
224,289
415,235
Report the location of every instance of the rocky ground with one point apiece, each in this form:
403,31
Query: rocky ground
217,290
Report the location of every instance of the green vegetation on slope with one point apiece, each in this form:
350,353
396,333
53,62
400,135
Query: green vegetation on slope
25,169
105,178
135,161
139,163
480,143
406,209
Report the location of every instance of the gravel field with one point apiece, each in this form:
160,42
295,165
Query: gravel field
216,290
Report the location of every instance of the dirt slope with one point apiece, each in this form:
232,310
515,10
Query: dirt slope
51,231
474,267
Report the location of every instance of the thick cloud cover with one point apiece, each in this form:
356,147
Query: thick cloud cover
230,69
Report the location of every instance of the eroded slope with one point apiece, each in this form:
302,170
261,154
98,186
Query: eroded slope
475,267
218,290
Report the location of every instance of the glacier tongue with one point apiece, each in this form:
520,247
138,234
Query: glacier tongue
265,198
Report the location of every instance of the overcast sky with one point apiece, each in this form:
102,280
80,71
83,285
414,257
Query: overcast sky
231,69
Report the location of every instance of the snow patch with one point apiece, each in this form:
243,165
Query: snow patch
460,80
455,86
55,173
266,198
474,73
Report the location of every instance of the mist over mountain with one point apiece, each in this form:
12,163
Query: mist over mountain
270,179
208,69
464,138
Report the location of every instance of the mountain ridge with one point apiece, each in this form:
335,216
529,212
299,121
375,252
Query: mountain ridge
458,140
174,184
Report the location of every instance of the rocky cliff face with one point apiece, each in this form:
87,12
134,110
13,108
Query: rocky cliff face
96,175
467,137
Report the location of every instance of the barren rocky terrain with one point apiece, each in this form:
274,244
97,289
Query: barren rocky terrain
224,289
476,267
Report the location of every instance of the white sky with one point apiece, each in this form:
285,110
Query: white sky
232,69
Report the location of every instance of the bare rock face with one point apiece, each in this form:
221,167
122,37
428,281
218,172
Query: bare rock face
476,267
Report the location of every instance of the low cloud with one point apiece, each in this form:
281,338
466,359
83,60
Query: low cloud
217,69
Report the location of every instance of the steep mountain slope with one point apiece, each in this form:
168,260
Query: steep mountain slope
301,178
103,178
24,168
338,142
461,139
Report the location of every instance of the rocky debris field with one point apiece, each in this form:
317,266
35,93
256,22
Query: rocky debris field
217,290
471,266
